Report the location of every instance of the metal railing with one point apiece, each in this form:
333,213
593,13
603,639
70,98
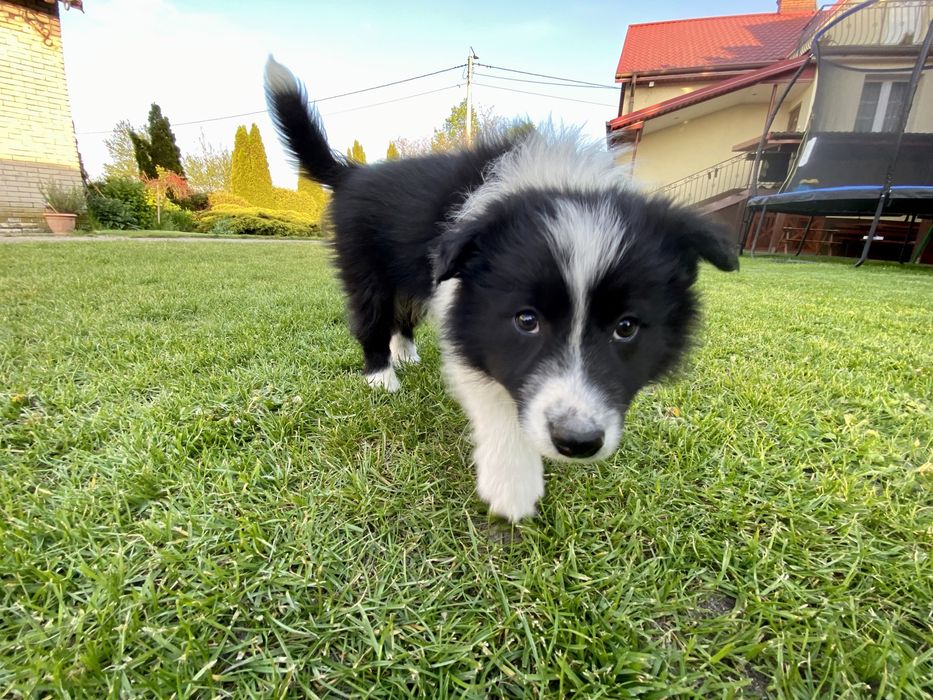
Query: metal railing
817,22
885,24
730,175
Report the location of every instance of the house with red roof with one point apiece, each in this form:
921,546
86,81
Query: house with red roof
695,89
717,112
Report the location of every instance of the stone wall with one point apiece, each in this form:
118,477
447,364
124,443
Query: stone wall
37,139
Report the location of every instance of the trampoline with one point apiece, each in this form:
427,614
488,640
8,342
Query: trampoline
854,200
868,145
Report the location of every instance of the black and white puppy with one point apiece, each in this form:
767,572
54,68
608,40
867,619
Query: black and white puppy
559,290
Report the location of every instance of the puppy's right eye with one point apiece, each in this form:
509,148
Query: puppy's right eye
626,329
527,322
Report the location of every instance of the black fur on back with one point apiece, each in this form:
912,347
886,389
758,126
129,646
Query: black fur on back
387,217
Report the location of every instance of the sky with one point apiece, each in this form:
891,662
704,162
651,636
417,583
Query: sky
202,61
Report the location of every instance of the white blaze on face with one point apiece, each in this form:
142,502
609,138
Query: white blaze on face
586,242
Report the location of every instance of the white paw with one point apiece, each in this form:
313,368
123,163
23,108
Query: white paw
384,379
403,350
512,498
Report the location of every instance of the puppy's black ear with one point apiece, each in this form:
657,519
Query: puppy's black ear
710,240
456,247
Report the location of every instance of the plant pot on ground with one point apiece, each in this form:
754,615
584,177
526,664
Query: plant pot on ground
63,204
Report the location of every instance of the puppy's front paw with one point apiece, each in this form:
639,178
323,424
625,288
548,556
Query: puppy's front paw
509,495
385,379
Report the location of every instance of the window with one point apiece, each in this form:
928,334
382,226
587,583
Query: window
793,118
880,105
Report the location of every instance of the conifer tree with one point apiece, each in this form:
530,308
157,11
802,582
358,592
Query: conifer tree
156,148
250,177
240,170
314,197
163,150
141,149
306,185
356,153
260,177
392,151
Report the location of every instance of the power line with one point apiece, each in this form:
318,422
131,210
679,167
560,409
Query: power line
397,99
546,82
551,77
395,82
322,99
541,94
566,82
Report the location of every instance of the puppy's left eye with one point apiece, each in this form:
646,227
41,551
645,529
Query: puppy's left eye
626,329
527,322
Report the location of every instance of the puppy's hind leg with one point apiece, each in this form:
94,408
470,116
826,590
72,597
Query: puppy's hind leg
402,345
372,326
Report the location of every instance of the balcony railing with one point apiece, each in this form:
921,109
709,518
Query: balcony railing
884,24
730,175
819,20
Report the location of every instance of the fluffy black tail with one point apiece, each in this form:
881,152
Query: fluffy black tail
299,126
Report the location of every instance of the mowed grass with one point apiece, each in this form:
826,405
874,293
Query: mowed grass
201,497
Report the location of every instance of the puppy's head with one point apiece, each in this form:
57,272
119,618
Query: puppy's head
573,302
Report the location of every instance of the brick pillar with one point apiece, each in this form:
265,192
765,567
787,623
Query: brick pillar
37,139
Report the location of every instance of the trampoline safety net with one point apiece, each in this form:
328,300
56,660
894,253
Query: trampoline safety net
871,124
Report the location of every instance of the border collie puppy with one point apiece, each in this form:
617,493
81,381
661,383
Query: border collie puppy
559,290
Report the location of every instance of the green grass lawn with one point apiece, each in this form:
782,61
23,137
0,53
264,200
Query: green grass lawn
146,233
157,233
201,497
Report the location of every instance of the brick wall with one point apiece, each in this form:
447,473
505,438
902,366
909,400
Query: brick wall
37,140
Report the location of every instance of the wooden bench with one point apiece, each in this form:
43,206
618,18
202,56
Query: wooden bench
848,236
800,234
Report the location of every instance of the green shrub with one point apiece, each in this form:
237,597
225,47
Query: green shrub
120,203
178,220
86,222
197,201
219,198
286,199
257,221
133,193
109,212
305,201
254,226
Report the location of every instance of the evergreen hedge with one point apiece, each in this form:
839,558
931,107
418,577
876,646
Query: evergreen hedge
258,221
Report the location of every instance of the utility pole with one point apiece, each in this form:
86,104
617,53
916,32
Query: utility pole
469,100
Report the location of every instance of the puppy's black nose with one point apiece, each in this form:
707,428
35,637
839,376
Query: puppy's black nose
577,443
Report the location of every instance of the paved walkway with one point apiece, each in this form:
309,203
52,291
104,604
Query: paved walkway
153,239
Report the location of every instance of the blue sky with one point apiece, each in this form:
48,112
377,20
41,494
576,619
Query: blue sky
203,59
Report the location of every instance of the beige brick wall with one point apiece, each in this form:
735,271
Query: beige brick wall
20,181
37,139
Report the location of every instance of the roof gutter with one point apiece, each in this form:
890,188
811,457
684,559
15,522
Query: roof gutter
679,72
707,93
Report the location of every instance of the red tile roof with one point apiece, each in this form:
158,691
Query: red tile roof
709,92
710,43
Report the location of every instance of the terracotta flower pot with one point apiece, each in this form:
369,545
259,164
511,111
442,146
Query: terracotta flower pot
60,224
